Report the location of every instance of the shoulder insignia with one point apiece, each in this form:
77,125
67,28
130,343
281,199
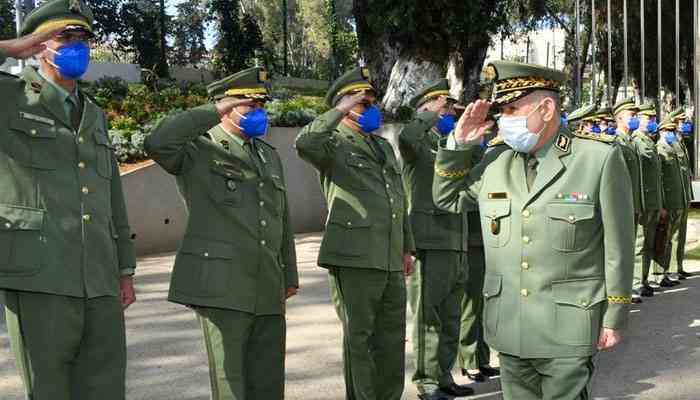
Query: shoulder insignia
563,143
496,141
37,118
598,138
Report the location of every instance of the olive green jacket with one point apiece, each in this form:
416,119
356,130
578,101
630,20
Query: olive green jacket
674,180
238,251
650,171
433,228
63,221
559,257
686,169
368,224
629,152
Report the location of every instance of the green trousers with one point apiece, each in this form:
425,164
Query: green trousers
246,354
435,290
645,247
678,243
675,218
68,348
473,350
545,379
371,305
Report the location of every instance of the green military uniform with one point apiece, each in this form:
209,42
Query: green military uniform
474,353
367,235
237,258
436,287
64,233
630,154
679,238
652,203
580,117
558,255
674,185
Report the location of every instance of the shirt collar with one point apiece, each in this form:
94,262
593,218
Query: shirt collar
233,136
63,93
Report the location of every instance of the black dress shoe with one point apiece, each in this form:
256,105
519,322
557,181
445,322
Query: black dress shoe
636,300
476,377
685,274
432,396
681,277
646,291
457,390
489,371
666,282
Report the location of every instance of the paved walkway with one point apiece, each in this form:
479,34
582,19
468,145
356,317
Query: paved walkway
659,360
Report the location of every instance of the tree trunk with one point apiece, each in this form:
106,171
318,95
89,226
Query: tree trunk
378,54
464,73
408,76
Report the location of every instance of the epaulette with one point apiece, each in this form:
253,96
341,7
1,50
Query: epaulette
495,141
599,138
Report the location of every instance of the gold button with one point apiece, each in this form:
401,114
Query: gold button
263,242
85,190
393,216
387,186
524,292
349,223
560,196
486,294
262,184
525,265
526,213
8,225
81,165
360,165
33,132
584,303
262,203
526,239
80,139
206,254
572,218
86,217
263,223
391,201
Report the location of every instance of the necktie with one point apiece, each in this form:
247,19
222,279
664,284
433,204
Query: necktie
531,171
249,145
76,110
377,149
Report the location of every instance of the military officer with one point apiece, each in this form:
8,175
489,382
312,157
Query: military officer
683,129
675,196
368,243
652,200
556,223
583,120
437,285
236,266
606,121
626,119
66,256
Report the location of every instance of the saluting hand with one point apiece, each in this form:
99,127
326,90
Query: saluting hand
472,125
347,103
227,104
609,338
28,45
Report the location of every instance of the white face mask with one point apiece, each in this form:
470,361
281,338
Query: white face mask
516,134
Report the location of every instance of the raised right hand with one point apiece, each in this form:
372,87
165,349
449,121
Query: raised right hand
347,103
28,45
472,125
225,105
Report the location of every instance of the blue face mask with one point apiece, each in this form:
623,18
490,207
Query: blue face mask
671,138
446,124
633,124
254,123
612,130
687,127
71,60
652,127
370,120
564,121
596,129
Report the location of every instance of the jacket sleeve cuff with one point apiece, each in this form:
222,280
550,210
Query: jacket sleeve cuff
127,271
205,116
617,312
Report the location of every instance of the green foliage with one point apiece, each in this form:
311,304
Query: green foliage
140,34
7,19
297,111
188,31
239,38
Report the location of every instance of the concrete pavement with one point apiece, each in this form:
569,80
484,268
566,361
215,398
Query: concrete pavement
659,360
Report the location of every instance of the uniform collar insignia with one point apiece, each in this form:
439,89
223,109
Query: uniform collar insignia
563,143
225,144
